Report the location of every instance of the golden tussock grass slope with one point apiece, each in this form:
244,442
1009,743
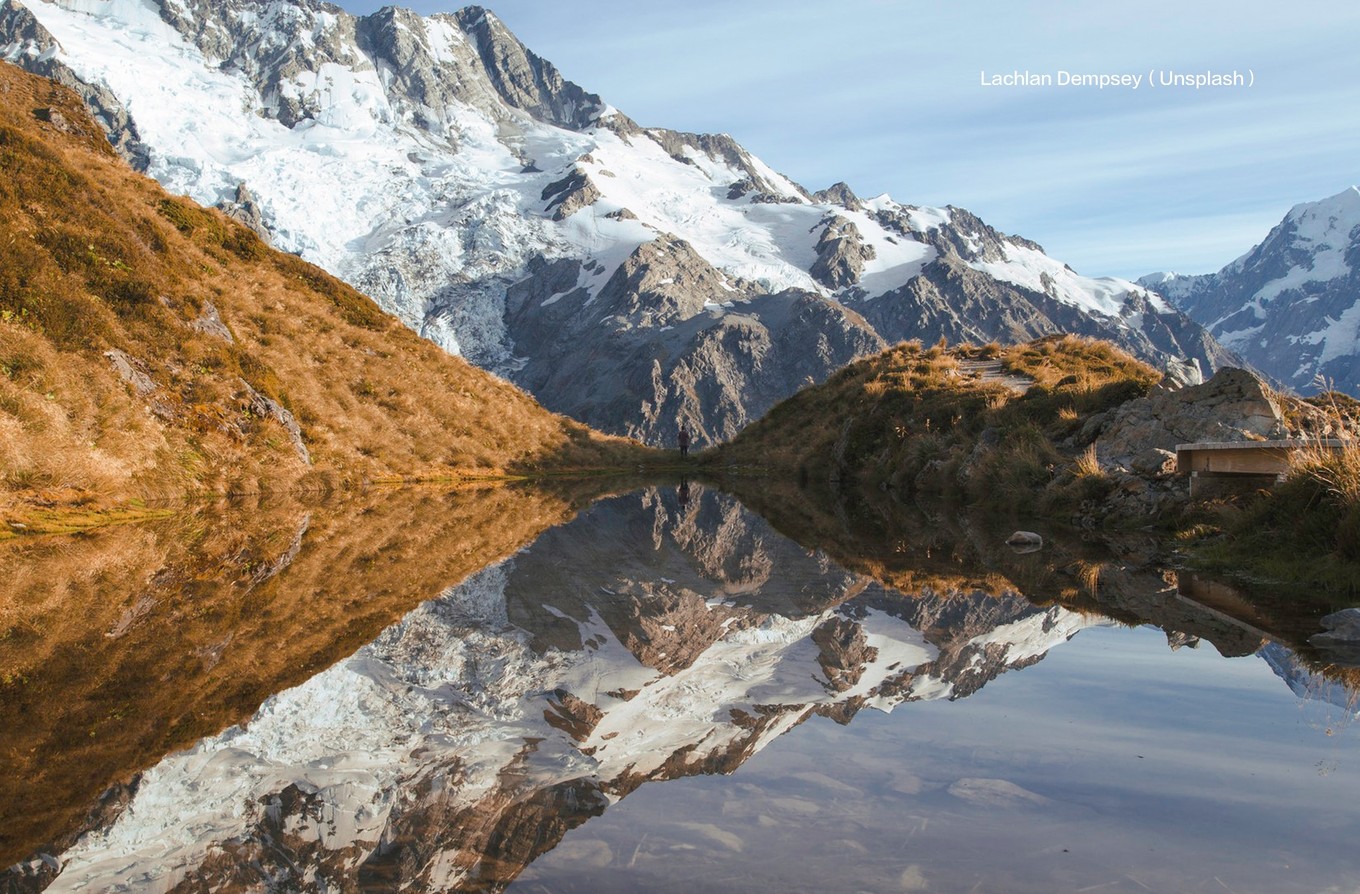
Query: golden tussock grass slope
99,260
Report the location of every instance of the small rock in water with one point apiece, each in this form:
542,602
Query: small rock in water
1025,541
1344,624
1340,639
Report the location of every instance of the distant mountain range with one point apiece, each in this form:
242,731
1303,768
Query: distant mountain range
1290,306
635,278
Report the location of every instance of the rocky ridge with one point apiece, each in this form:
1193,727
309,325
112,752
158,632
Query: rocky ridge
440,166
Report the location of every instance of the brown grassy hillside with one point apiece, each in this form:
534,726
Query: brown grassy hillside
149,347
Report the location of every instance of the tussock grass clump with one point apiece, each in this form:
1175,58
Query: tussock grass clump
935,420
1088,462
1316,510
1306,529
1337,472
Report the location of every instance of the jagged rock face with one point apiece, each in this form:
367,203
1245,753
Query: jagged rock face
439,165
1291,305
569,195
757,182
667,342
469,57
524,80
841,254
653,638
839,194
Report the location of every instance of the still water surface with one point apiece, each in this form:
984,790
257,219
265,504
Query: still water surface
667,694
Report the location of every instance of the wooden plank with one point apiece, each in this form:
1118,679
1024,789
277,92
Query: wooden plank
1244,457
1249,461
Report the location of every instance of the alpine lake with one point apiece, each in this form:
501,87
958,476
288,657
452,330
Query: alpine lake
643,686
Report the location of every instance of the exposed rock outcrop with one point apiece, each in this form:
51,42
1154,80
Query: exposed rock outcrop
1135,442
570,194
268,408
246,210
759,181
209,322
132,371
841,254
839,194
1232,406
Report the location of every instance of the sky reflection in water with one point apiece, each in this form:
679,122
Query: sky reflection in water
505,735
1114,764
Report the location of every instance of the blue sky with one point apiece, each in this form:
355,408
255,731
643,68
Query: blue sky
885,95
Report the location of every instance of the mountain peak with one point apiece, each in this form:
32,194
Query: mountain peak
1338,212
1289,305
525,80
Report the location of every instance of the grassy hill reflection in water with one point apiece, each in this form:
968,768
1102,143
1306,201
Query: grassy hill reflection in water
661,635
126,643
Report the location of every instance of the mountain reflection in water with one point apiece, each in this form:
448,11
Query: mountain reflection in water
500,735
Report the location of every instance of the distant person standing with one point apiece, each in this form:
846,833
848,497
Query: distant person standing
684,442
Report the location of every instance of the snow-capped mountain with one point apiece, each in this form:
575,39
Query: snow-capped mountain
636,278
472,735
1291,305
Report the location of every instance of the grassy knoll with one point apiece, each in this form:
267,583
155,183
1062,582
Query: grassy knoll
922,420
959,424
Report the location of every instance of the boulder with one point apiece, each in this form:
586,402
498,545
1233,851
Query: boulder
1340,640
1234,405
1025,541
1154,462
